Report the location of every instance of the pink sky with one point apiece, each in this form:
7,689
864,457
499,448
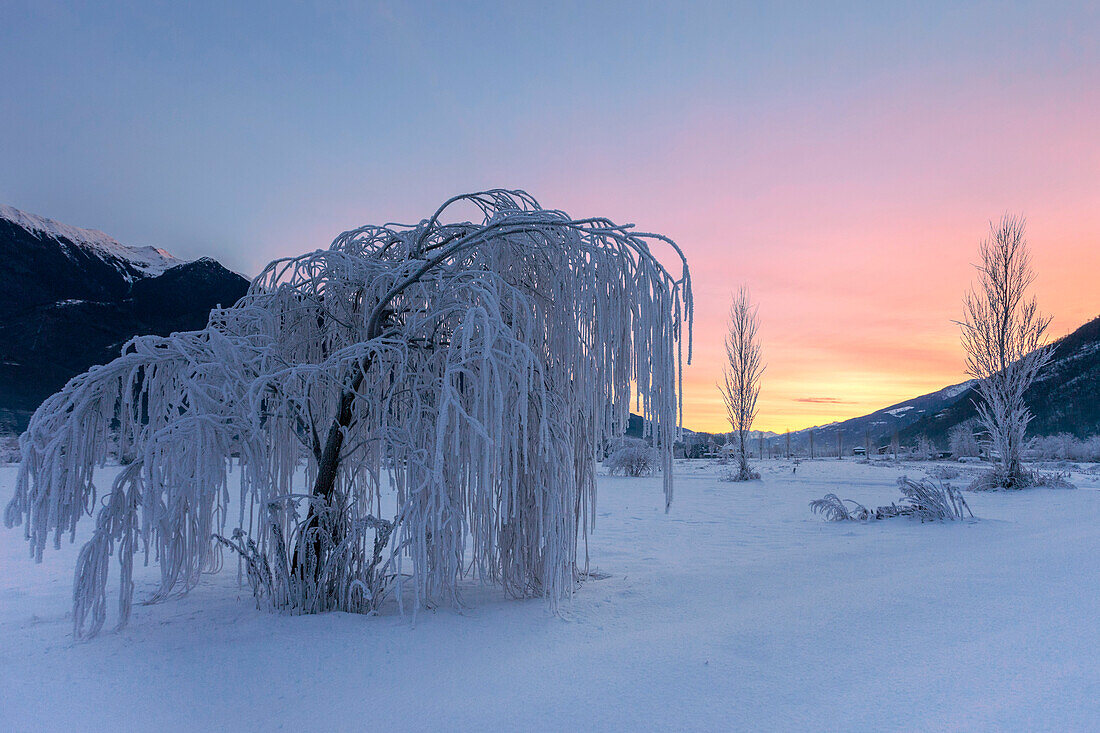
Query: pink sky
853,220
841,160
855,232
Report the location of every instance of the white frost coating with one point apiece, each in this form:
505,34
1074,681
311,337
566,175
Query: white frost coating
478,364
957,389
632,457
149,261
1003,334
740,385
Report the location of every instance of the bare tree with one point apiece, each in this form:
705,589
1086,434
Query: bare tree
744,369
926,449
961,440
1003,334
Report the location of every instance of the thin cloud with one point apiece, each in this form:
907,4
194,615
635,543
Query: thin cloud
824,400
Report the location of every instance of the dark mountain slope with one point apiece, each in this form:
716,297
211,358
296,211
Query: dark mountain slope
70,298
184,295
1064,399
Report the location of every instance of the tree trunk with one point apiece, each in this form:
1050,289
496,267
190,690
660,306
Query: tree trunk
328,468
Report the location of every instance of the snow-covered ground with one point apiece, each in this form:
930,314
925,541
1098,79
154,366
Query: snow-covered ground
738,610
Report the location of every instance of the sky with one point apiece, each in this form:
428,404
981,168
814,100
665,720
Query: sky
841,160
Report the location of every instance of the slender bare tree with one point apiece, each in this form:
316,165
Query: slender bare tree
1003,334
744,369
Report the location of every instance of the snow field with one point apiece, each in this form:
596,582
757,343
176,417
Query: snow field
738,609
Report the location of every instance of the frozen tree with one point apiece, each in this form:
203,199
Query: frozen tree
474,368
1067,447
925,449
961,440
1003,335
741,382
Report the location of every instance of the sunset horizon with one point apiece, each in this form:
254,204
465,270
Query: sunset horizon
844,166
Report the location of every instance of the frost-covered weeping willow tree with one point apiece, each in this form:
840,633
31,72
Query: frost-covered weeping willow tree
474,368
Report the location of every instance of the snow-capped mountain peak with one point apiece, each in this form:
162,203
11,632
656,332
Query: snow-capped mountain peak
132,262
71,297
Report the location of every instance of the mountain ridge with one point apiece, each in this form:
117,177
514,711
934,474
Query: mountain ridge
71,297
1065,398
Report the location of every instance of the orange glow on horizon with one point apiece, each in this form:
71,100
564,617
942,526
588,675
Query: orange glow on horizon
871,333
855,234
853,218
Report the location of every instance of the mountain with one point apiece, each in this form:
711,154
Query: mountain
1065,398
878,426
70,297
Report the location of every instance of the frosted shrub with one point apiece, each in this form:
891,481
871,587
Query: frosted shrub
476,366
744,472
1090,449
631,457
1003,335
943,473
355,578
928,501
923,500
1066,447
925,449
9,449
996,480
835,509
962,442
1052,480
